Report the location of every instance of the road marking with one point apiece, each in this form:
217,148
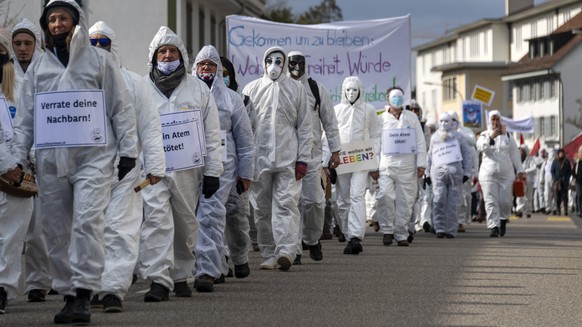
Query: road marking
559,219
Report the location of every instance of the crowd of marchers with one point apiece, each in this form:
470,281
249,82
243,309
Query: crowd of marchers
251,168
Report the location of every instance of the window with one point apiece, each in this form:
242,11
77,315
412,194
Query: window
543,90
201,26
538,91
517,90
486,43
434,99
525,92
542,126
450,89
553,129
474,45
553,88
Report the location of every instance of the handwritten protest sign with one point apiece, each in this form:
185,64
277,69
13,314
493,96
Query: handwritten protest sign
70,119
182,143
357,156
377,51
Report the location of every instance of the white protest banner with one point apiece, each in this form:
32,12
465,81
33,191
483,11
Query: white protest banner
6,120
444,153
522,125
377,51
182,144
70,119
399,141
357,156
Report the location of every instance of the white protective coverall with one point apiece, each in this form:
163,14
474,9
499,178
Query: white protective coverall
75,182
356,122
465,205
497,173
26,24
124,213
524,203
283,137
447,175
550,204
169,229
239,163
35,257
398,177
15,214
312,199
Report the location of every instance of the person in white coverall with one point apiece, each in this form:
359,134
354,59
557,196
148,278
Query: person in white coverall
357,121
449,167
238,163
75,182
238,208
550,203
170,228
400,168
26,43
15,212
124,213
283,142
524,203
465,205
312,200
497,172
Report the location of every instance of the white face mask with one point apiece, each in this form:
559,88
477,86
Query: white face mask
446,123
396,99
168,67
274,65
352,92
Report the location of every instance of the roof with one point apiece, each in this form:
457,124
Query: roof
470,65
527,64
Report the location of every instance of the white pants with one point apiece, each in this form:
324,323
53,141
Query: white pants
15,215
498,197
311,208
36,263
350,189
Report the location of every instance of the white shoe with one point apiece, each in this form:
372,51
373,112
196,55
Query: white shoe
269,264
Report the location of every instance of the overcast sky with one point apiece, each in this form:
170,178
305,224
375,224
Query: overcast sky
430,18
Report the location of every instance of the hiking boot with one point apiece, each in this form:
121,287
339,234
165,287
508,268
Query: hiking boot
341,238
157,293
220,280
269,264
387,239
502,227
65,316
112,304
242,271
315,252
297,261
3,300
181,289
204,284
81,312
410,237
95,302
284,262
426,227
353,247
494,232
36,295
357,245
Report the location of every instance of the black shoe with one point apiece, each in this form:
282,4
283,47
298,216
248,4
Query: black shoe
304,246
230,273
326,235
95,302
528,216
297,261
440,235
503,223
220,280
450,236
357,245
3,299
403,243
242,271
181,289
337,231
376,226
494,232
426,227
112,304
204,284
315,252
387,239
157,293
133,279
432,230
519,214
410,237
36,296
351,247
65,316
52,292
256,247
341,238
81,313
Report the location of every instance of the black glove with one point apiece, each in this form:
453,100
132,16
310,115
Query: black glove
465,179
240,187
125,166
332,176
428,181
210,185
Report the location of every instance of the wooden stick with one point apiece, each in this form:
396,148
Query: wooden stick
143,185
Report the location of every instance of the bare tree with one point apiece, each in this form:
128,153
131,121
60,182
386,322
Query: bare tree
7,19
280,11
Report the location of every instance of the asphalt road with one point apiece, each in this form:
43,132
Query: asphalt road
530,277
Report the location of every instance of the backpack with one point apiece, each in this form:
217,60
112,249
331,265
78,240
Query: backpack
315,90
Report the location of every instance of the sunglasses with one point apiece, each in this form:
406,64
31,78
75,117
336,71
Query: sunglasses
104,42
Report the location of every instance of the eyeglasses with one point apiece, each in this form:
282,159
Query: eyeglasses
207,64
278,61
104,42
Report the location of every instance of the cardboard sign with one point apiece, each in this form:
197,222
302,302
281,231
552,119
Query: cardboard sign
399,141
182,143
357,156
483,95
444,153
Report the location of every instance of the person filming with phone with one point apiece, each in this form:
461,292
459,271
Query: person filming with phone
501,161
